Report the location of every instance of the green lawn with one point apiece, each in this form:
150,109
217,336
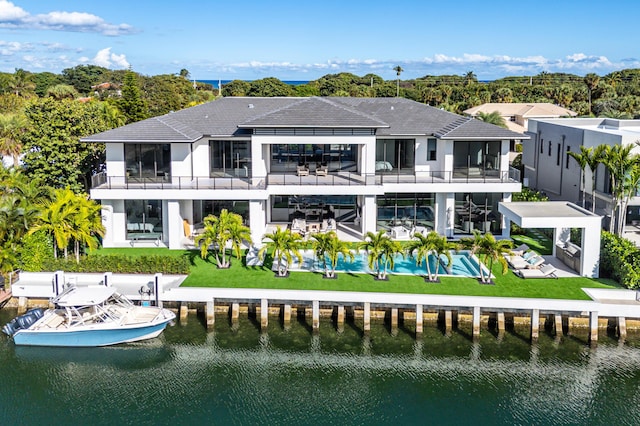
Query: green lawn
538,243
206,274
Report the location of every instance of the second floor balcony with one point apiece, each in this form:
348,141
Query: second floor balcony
338,178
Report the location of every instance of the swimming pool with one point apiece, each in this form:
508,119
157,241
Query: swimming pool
463,264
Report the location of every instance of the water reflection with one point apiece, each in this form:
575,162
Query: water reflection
234,373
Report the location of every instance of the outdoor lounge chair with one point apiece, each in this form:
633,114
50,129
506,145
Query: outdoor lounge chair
303,170
322,170
520,250
299,226
545,271
530,260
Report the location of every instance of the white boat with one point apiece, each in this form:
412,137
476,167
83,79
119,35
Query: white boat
88,316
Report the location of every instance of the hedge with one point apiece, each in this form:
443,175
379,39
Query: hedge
620,260
122,264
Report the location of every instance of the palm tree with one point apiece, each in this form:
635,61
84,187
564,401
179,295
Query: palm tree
620,162
582,158
56,218
219,231
12,127
86,225
492,118
284,244
422,246
470,78
381,250
591,80
329,245
398,69
593,161
490,249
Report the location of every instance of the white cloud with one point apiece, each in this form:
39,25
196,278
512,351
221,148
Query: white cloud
13,17
105,58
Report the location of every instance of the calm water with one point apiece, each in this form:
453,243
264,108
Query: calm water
236,375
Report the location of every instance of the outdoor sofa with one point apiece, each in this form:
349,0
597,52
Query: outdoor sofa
545,271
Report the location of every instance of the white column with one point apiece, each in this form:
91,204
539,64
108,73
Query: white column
257,220
369,214
175,227
590,251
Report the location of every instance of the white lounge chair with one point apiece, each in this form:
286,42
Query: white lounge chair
544,271
530,260
303,170
520,250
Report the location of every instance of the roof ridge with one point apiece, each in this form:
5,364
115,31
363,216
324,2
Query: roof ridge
444,131
352,111
174,128
272,111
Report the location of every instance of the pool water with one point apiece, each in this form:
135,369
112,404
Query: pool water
463,264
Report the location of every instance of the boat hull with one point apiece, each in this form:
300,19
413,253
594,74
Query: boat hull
89,337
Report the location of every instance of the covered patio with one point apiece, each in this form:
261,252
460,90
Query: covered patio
561,216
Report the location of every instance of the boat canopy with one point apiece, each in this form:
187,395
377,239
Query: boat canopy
83,296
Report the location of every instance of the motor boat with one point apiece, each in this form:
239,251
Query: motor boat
88,317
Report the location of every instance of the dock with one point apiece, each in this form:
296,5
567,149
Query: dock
605,308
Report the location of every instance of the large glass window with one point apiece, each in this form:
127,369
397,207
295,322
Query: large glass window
476,158
477,211
337,157
203,208
230,158
395,156
143,217
314,208
409,210
148,161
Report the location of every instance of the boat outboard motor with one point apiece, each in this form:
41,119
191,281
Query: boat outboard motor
23,321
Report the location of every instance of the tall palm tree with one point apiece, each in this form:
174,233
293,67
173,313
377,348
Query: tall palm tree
329,246
582,158
619,161
432,244
593,161
487,248
591,80
56,218
284,244
398,69
87,225
470,78
238,234
492,118
381,251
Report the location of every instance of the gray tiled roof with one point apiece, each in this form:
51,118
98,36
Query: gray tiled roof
315,112
227,117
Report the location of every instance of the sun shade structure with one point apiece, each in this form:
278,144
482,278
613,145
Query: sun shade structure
561,216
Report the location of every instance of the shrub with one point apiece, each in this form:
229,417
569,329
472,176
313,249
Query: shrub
35,249
122,264
620,260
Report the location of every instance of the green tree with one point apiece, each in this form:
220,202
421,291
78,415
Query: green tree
131,103
62,91
432,244
53,152
221,230
44,80
22,84
236,88
270,87
82,77
620,162
328,245
489,250
582,158
492,118
398,69
284,244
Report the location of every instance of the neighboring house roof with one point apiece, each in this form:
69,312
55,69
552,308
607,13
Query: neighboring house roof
229,117
527,110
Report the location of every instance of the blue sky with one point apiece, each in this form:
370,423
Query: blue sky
305,40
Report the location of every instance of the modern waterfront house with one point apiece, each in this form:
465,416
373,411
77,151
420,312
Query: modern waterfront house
549,168
355,164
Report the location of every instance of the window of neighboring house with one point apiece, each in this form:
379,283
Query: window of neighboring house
566,166
549,148
558,155
431,150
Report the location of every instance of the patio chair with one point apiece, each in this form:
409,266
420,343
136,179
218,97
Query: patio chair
322,170
302,170
545,271
520,250
299,226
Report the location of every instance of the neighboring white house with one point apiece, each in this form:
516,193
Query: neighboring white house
355,164
548,167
